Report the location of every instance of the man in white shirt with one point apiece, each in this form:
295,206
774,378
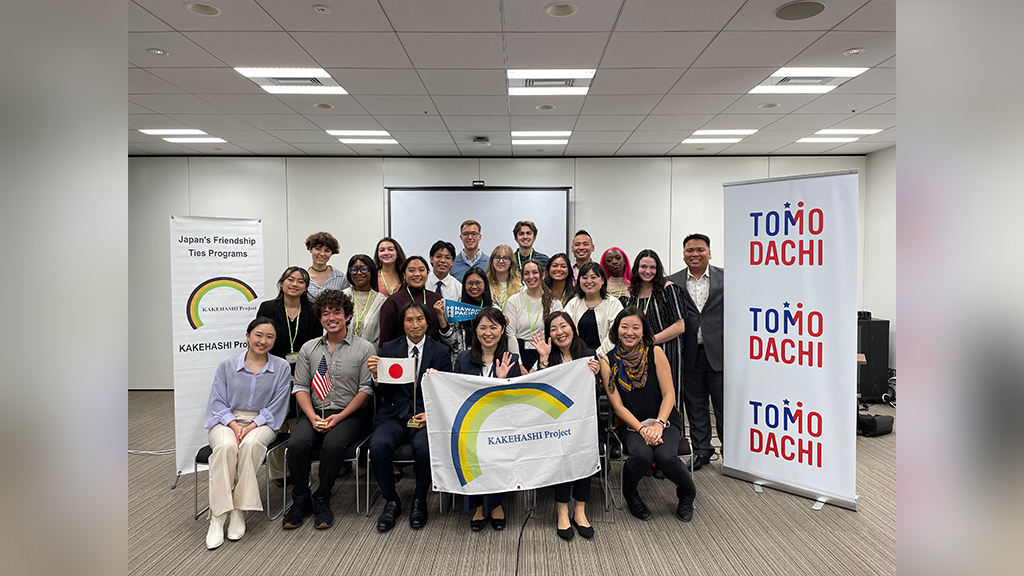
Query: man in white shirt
442,255
471,255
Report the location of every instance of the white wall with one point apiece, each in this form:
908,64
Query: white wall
634,203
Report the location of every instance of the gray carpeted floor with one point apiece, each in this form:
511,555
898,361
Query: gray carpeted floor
734,530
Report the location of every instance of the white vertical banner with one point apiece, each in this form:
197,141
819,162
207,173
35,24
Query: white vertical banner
216,284
791,335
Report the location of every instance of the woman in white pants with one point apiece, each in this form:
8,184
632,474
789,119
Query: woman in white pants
248,404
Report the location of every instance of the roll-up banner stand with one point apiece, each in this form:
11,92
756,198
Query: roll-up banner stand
791,335
216,287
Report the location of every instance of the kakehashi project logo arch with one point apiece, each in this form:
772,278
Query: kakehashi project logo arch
192,306
483,403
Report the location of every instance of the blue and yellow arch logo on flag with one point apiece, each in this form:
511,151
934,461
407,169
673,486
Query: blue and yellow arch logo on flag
192,306
483,403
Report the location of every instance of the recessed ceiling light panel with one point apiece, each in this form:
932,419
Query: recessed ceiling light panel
820,72
202,9
173,132
723,132
561,9
196,140
304,89
853,52
367,141
358,133
158,51
552,73
791,90
540,133
283,72
826,140
711,140
862,131
540,91
539,142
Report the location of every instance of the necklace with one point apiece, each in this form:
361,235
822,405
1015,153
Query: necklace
313,268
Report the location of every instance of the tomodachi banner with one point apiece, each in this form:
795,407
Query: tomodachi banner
490,435
791,334
216,287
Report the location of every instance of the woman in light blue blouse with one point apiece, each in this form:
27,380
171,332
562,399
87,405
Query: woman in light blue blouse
248,403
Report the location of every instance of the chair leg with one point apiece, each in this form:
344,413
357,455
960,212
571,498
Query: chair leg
195,474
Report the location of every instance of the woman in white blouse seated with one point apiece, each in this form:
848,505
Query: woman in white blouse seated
527,309
248,403
593,310
366,298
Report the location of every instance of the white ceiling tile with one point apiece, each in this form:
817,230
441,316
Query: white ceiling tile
675,121
658,136
495,137
221,80
420,137
142,82
542,122
164,148
272,149
740,121
644,149
877,15
174,103
888,135
887,107
748,103
476,123
443,15
720,80
378,150
303,104
133,151
345,122
464,82
243,136
551,50
278,121
754,49
478,151
136,137
247,103
304,136
655,15
694,104
806,148
840,103
529,16
874,81
397,105
140,20
336,149
527,105
599,136
347,16
221,149
890,63
432,150
526,151
182,52
629,122
748,148
387,81
828,50
255,49
635,81
860,148
134,108
760,15
778,136
472,105
420,122
466,50
212,121
802,121
235,15
619,105
882,121
591,149
698,149
354,49
655,49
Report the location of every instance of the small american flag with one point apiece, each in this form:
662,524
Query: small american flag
322,379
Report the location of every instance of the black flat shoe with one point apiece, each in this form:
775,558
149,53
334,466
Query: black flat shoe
477,525
566,533
498,524
586,532
388,517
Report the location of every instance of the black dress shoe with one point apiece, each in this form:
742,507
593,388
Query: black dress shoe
585,531
685,510
700,460
636,505
498,524
388,517
477,525
566,533
418,516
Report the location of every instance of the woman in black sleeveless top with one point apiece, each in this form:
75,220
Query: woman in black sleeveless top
638,380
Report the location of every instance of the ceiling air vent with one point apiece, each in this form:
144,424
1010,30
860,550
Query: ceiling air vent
295,81
551,82
804,81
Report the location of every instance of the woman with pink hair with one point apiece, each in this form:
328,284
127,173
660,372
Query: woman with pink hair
616,268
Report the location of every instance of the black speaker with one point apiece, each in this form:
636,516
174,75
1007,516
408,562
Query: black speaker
873,343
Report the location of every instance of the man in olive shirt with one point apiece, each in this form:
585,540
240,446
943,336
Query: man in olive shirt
334,424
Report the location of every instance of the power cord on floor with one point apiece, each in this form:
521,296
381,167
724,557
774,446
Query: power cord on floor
152,452
519,544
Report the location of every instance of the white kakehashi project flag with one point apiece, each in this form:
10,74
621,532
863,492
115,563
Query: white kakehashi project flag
396,370
491,435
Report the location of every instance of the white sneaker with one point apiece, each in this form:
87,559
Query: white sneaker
215,536
236,525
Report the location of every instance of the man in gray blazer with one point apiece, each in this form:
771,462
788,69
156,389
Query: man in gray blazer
702,343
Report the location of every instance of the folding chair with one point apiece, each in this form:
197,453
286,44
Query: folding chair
683,450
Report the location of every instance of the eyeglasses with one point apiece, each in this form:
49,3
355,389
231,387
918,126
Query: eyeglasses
502,259
445,257
470,234
358,269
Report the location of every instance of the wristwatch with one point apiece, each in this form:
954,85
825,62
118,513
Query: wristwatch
663,423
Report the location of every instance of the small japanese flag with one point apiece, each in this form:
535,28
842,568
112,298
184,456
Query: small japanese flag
396,370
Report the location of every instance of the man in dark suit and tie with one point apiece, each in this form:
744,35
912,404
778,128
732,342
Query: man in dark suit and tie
395,413
702,343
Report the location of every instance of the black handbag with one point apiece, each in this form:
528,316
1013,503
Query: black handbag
874,425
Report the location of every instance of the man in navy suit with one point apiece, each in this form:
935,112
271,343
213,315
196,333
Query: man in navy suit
704,288
394,412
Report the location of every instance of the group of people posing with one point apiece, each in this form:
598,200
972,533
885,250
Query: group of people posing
648,337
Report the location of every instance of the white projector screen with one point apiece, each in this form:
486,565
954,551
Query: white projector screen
421,216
